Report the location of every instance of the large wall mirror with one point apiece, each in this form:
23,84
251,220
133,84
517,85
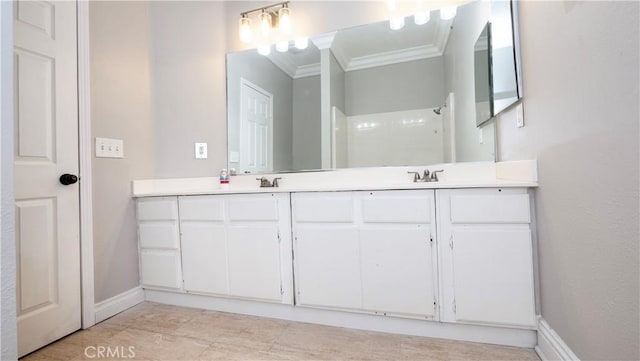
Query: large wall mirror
366,96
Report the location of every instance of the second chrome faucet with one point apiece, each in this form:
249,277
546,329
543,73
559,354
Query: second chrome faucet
427,176
265,183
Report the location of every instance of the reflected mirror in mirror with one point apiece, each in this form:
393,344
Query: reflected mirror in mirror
482,75
361,97
504,55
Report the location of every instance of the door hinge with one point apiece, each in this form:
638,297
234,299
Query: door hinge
431,240
451,241
279,239
454,306
435,305
281,291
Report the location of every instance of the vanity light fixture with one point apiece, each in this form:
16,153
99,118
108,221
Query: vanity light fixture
245,29
448,13
284,19
265,23
272,19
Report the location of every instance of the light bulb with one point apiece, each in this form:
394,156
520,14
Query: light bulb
302,43
245,30
284,20
396,23
448,13
282,46
422,18
265,24
264,49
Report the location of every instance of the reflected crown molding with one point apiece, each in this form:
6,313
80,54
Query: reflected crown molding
349,63
435,49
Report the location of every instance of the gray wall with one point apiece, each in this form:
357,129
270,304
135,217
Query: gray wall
260,71
459,78
410,85
120,108
580,63
8,333
188,85
306,123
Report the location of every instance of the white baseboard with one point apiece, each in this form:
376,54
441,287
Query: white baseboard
451,331
118,303
550,345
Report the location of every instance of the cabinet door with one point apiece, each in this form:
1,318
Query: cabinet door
397,237
493,276
328,266
204,257
254,262
203,243
397,270
486,257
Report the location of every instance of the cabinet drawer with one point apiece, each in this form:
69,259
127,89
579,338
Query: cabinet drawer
508,208
206,208
159,235
254,208
160,268
323,207
397,207
157,209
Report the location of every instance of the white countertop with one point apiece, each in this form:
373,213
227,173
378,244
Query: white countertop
521,174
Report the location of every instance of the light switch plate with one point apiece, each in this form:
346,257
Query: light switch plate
519,116
201,150
109,148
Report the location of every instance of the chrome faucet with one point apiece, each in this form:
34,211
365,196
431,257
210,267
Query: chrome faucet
416,176
434,175
265,183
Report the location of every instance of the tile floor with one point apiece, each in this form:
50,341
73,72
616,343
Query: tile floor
161,332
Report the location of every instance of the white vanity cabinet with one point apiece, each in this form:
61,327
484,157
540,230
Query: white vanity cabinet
486,256
159,242
237,245
370,251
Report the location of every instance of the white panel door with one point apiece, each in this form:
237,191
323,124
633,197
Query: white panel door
46,146
204,257
256,128
328,266
254,262
397,271
493,276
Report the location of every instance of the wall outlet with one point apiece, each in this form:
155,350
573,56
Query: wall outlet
109,148
201,150
519,115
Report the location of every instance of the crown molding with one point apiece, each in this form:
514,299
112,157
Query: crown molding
435,49
323,41
307,70
393,57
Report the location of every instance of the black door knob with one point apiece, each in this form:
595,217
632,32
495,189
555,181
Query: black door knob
67,179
